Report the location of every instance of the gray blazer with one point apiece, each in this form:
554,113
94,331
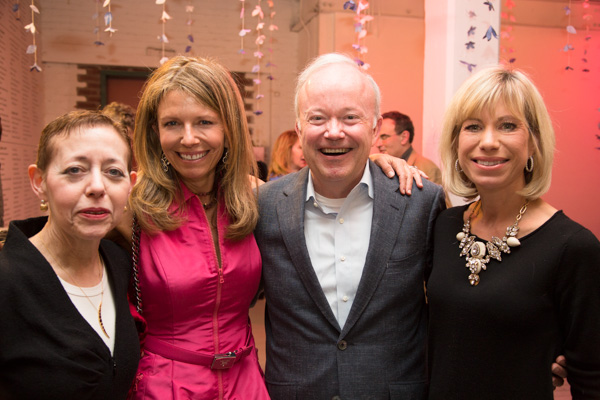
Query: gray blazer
380,351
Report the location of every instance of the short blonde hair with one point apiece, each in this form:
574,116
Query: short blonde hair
211,84
483,91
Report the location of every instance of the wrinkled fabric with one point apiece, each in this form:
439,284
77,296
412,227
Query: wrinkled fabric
185,304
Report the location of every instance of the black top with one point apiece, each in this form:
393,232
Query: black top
498,340
47,349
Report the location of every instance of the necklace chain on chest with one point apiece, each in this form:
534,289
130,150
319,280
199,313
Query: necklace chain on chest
477,254
100,322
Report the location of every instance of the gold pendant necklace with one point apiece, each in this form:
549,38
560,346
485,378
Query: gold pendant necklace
100,322
475,251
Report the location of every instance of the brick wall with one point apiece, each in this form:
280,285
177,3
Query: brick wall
69,54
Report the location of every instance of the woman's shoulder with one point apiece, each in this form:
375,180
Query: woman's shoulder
17,245
571,231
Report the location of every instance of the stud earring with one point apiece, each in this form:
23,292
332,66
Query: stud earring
43,205
165,163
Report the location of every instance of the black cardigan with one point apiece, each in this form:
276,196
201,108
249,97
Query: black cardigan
47,349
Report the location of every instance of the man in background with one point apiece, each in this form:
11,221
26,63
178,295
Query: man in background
396,137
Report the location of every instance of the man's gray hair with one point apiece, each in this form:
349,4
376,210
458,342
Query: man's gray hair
329,59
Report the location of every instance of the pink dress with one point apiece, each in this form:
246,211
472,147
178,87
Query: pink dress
194,311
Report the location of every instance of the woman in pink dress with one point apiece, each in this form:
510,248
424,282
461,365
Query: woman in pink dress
198,264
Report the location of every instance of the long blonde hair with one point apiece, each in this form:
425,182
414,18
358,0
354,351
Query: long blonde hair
212,85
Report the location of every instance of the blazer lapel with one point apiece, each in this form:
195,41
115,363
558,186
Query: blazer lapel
388,210
290,213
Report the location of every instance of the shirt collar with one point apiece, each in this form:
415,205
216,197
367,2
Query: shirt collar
187,193
407,154
366,181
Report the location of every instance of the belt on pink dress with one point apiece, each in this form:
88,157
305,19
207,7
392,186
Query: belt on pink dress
214,361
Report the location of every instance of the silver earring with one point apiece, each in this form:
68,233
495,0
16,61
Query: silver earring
225,156
529,164
165,163
457,167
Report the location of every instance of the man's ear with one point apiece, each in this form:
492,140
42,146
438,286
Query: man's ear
405,138
36,179
376,129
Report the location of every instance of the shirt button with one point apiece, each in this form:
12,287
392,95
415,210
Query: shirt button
341,220
342,345
315,204
345,298
343,258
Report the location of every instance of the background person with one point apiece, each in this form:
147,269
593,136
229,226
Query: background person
66,330
530,287
287,156
124,114
199,265
395,138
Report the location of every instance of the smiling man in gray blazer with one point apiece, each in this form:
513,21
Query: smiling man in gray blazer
344,253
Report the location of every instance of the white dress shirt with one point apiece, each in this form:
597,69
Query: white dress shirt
337,233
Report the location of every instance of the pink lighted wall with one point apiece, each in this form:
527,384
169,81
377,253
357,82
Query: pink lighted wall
573,100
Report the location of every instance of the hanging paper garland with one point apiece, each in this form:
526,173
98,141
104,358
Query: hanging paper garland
243,31
570,31
96,18
272,28
258,54
108,17
490,32
586,22
470,44
163,38
189,9
360,28
16,8
471,40
32,48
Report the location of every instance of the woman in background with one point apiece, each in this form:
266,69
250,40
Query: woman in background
515,282
199,265
286,156
65,327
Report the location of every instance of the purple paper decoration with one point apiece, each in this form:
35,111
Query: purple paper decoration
361,19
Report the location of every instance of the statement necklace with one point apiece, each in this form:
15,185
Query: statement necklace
80,288
475,251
